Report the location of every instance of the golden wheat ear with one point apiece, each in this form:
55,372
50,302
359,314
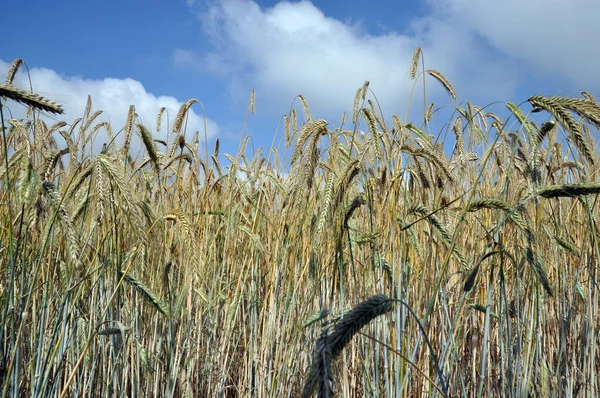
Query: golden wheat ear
14,68
33,100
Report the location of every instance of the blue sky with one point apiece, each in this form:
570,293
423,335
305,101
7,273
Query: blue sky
161,53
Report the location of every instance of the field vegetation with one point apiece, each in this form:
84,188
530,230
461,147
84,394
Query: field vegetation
451,255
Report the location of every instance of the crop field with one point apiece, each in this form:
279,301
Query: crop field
453,254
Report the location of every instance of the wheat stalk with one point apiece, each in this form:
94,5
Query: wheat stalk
73,246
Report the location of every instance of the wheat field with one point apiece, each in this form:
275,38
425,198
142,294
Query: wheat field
377,257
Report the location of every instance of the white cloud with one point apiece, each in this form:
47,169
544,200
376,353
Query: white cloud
113,96
193,61
556,38
293,48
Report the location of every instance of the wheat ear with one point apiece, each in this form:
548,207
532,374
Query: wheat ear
12,71
330,346
440,78
33,100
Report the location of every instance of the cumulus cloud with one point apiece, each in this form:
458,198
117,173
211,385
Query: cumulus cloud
556,38
293,48
113,96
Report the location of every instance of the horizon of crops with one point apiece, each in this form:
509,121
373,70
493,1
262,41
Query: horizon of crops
372,261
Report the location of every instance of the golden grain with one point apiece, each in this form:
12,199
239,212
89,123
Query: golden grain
440,78
33,100
12,71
